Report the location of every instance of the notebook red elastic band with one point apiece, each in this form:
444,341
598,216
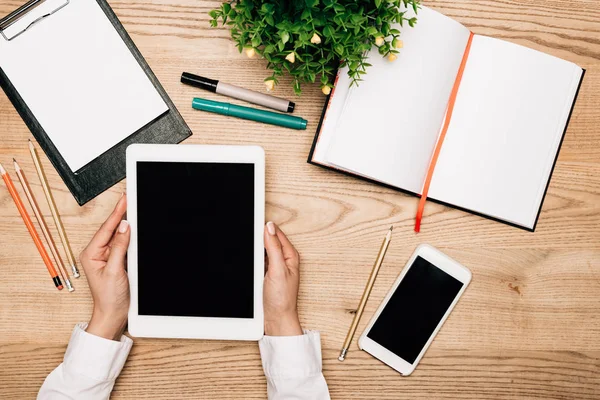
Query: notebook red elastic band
438,146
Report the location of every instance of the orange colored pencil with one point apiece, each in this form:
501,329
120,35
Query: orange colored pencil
30,227
43,226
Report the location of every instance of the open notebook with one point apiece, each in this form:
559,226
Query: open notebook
511,111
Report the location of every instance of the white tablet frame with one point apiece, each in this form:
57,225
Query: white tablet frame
441,261
197,327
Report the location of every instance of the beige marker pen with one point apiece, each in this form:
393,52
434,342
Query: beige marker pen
226,89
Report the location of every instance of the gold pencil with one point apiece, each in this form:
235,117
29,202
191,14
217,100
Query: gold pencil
40,218
366,293
59,225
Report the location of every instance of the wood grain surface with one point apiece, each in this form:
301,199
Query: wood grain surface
528,327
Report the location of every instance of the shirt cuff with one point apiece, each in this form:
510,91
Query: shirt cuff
96,357
291,356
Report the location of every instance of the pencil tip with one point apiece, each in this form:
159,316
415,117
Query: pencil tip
392,228
2,170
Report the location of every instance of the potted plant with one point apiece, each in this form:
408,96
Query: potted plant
310,39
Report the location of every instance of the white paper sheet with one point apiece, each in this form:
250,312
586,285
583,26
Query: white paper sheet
390,123
80,80
510,116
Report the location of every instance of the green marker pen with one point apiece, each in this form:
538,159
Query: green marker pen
253,114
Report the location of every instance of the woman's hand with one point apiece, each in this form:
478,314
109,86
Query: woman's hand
104,263
282,280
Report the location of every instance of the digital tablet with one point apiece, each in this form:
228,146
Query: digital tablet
196,256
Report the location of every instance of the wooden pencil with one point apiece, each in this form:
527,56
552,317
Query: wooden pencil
51,203
43,226
366,294
29,224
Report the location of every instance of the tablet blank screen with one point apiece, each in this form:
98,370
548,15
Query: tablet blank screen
195,239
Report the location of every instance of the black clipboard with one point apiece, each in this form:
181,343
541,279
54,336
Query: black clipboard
108,168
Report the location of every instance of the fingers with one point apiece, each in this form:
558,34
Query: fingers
276,260
290,253
106,231
118,249
280,251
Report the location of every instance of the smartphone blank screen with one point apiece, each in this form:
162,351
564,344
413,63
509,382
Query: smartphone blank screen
415,310
195,229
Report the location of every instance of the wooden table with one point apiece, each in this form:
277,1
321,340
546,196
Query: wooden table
527,327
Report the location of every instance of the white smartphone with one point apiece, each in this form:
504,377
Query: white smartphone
415,308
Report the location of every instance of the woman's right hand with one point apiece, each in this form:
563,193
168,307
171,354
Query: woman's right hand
282,280
104,261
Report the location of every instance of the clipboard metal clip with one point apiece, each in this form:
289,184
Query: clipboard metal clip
20,12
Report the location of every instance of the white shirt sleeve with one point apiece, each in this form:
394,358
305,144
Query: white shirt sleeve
89,369
293,367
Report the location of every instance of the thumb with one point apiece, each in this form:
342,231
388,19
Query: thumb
274,250
118,250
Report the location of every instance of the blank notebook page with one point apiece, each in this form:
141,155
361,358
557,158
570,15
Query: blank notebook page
508,122
390,122
80,81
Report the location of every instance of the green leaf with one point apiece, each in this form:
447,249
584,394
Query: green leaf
297,88
338,48
226,8
340,8
213,14
385,29
311,3
266,8
357,19
328,31
377,3
285,37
